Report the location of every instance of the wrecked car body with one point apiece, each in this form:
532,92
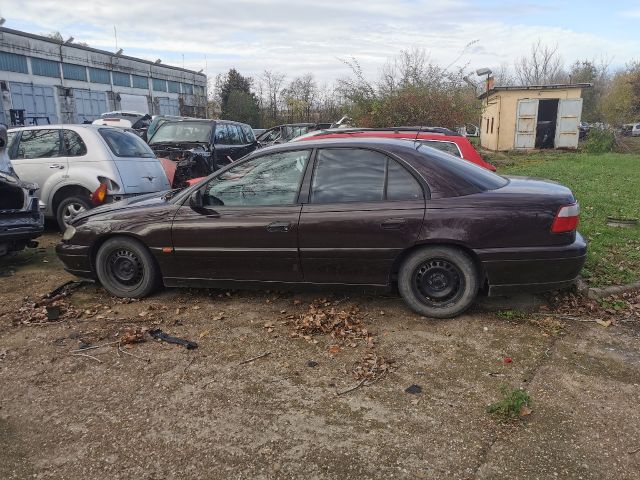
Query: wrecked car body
200,147
20,217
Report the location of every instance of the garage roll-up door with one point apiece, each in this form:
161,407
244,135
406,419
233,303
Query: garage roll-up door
89,105
35,100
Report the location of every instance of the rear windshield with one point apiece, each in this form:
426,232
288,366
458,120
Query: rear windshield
471,173
125,144
199,132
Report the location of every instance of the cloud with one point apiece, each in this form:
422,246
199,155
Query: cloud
300,37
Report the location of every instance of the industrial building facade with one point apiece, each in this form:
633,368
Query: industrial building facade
57,82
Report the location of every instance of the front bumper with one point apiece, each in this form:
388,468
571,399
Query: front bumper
76,259
533,269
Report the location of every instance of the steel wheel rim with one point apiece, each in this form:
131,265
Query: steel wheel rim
71,210
125,268
438,282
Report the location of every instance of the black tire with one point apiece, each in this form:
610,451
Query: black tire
438,282
69,207
126,268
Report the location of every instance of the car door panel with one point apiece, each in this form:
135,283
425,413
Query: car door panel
364,209
237,243
356,244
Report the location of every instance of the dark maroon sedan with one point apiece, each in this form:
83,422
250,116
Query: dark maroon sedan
368,212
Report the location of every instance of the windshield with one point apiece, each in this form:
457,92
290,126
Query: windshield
183,132
471,173
125,144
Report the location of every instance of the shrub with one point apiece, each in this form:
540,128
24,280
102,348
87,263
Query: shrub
512,403
600,140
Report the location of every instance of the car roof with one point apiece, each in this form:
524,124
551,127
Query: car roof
72,126
382,143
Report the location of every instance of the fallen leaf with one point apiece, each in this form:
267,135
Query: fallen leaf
524,411
334,349
204,334
604,323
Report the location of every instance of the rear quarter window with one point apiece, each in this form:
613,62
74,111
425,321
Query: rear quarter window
464,171
125,144
445,146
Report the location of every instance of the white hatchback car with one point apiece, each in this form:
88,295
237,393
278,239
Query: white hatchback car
79,166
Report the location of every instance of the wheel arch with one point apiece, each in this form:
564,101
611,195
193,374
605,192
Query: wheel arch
67,191
93,251
482,274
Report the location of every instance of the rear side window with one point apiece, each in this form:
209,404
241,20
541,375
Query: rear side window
73,144
39,144
357,175
447,147
125,144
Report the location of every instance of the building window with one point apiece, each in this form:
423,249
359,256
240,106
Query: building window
198,89
491,124
140,82
11,62
487,124
99,75
174,87
45,68
159,85
187,88
121,79
74,72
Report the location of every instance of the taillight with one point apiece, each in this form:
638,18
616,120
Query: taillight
566,219
100,195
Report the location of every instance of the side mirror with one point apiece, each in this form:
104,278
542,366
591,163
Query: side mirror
196,199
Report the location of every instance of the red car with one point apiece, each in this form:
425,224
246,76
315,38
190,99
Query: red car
439,138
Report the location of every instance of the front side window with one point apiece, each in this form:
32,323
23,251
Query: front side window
222,134
447,147
269,180
235,135
73,144
39,144
125,144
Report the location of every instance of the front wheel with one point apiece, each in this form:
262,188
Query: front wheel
126,268
438,282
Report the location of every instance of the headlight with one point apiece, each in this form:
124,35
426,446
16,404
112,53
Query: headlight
68,233
42,205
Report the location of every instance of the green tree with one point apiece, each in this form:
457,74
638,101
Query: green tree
622,102
590,71
237,101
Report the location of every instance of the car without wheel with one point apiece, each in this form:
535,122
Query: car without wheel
20,218
358,211
80,166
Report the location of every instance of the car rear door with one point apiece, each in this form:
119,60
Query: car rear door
39,158
247,228
364,209
224,149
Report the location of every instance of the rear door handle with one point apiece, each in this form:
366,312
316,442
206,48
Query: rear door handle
393,223
56,165
279,227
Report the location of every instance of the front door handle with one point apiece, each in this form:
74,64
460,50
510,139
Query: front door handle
56,165
279,227
393,223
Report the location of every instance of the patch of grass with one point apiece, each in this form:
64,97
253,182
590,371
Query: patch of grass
512,403
511,314
605,185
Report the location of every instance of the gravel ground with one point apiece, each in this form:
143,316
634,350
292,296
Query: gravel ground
169,412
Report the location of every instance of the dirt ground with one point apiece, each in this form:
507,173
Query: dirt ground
200,413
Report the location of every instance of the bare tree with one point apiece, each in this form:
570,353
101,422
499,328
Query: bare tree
542,66
271,86
301,96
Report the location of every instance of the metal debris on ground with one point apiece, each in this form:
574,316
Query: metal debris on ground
413,389
162,336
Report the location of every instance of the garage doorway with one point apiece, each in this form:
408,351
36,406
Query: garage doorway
546,123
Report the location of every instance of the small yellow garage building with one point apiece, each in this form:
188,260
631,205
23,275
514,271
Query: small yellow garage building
538,116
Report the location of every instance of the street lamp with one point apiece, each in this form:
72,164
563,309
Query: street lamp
485,71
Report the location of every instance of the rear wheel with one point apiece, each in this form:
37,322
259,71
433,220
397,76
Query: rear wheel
438,282
69,208
126,268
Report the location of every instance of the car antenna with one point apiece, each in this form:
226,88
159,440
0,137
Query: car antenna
417,134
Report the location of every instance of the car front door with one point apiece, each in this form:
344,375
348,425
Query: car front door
246,227
39,158
364,209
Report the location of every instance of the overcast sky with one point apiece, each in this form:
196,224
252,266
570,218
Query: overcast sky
296,37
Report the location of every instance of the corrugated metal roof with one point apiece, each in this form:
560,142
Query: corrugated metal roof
554,86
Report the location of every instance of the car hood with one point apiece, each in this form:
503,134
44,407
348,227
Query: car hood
134,203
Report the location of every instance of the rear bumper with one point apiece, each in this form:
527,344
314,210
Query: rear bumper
76,259
17,231
533,269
